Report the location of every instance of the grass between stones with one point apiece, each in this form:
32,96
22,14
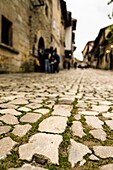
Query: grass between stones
12,160
64,164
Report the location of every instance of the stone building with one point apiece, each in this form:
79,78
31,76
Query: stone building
99,53
28,27
70,37
40,29
59,12
86,53
102,52
14,35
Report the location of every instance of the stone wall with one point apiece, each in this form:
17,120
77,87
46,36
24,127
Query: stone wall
27,24
14,58
40,25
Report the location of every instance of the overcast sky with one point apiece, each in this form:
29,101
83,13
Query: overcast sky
91,15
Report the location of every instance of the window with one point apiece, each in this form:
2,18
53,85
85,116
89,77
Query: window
6,34
46,10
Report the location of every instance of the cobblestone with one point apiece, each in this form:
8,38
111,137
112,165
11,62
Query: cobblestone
66,118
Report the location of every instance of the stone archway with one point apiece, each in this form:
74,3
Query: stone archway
41,48
41,44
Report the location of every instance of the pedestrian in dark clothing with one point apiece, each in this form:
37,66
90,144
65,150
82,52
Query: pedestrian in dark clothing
52,63
54,60
57,61
46,58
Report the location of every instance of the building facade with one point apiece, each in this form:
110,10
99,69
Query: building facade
70,37
28,27
102,52
99,53
86,53
14,35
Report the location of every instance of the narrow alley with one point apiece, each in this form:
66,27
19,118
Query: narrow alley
56,121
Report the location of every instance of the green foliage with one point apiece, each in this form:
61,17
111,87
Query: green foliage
110,15
110,2
109,37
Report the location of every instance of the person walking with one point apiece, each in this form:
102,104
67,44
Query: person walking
57,60
46,58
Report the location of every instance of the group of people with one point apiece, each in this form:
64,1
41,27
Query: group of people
49,61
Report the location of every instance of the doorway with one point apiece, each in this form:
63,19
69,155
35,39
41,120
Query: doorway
41,48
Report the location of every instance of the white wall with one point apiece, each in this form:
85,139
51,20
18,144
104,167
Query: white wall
68,38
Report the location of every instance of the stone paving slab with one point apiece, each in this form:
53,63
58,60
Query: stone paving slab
93,121
25,109
53,124
4,129
25,98
66,100
62,110
41,144
8,98
10,111
42,111
77,151
8,106
93,158
105,103
101,108
21,130
6,145
77,116
98,134
103,151
37,100
30,117
9,119
77,129
108,115
88,113
19,101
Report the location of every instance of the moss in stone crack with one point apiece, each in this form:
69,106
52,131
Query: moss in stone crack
19,116
86,130
32,131
70,121
89,105
98,104
63,155
109,140
52,167
75,103
74,111
12,160
83,120
100,114
20,140
110,109
107,130
64,164
35,125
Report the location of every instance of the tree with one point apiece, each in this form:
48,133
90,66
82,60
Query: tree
110,15
110,2
109,36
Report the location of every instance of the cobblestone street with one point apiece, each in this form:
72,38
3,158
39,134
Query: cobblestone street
58,121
